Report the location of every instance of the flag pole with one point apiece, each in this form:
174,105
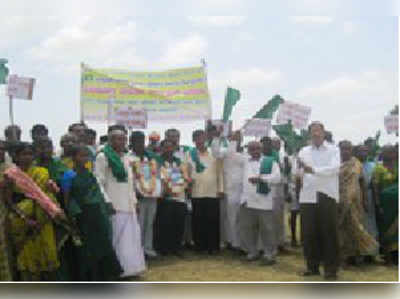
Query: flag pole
81,103
204,64
11,110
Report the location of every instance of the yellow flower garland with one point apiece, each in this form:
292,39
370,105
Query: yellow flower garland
137,169
167,178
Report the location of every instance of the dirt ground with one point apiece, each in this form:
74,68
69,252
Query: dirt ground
228,266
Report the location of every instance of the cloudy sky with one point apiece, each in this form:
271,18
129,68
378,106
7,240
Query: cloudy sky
345,68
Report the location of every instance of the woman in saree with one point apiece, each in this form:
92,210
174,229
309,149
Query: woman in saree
362,152
96,259
385,179
31,223
5,254
355,241
44,158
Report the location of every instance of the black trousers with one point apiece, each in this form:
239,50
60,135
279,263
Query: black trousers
320,235
205,223
169,226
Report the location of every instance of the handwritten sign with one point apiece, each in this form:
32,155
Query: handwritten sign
20,87
129,117
257,127
298,114
392,123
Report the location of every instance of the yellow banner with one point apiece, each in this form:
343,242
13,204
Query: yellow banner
173,95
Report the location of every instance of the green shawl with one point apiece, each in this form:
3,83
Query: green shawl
265,168
194,154
114,161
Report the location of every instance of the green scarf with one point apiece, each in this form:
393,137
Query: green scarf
114,161
265,168
275,155
194,154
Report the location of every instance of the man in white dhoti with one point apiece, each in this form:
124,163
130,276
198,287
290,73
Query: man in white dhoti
115,174
233,177
279,208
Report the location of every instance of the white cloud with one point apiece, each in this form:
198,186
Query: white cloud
103,42
253,77
311,19
367,84
16,31
352,106
188,50
217,21
349,27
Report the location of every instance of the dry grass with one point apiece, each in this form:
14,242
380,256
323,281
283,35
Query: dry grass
229,267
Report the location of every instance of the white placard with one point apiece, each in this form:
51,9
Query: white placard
392,124
257,127
298,114
129,117
20,87
226,125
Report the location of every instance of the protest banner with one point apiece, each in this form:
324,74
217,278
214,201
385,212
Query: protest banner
131,118
391,124
173,95
227,126
257,127
298,114
20,87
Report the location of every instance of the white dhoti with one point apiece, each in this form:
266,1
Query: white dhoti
127,243
232,219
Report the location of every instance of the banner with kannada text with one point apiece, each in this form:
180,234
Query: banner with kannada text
173,95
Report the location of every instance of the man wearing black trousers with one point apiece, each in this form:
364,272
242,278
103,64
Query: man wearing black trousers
319,166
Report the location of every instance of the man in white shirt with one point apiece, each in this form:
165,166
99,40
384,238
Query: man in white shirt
148,189
114,172
319,165
261,174
233,179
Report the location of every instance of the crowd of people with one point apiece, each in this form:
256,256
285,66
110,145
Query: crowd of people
99,211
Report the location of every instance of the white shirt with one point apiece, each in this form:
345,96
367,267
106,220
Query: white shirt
250,196
325,162
120,194
233,163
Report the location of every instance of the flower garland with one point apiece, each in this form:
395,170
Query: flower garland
147,188
177,187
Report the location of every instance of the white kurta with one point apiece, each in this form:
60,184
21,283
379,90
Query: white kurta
126,230
233,173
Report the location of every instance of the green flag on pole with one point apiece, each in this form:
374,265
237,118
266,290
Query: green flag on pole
293,141
3,71
231,98
268,110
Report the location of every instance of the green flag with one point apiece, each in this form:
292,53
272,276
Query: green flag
231,98
3,71
268,110
293,141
